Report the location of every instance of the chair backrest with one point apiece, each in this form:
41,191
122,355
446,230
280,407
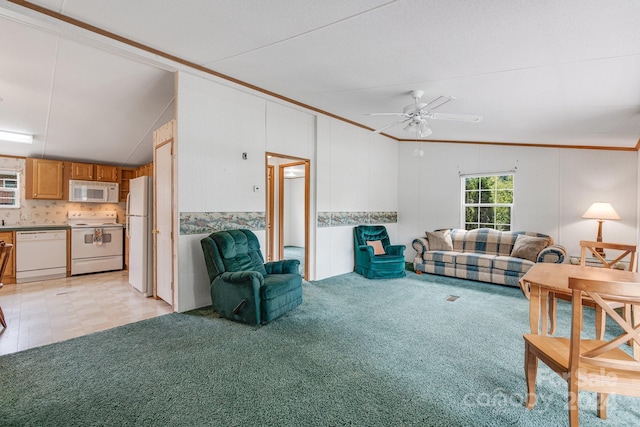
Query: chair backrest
232,250
596,247
5,255
364,233
603,293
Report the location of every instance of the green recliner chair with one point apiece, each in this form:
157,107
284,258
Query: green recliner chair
243,287
386,265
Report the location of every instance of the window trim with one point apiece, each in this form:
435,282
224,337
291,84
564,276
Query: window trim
464,205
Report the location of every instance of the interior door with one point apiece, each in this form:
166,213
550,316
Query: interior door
163,196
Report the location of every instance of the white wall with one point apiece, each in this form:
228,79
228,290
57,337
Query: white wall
589,176
289,131
351,170
553,188
216,124
357,172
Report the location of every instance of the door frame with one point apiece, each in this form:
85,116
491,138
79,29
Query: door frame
270,209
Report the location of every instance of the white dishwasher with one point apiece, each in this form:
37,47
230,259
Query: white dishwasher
41,255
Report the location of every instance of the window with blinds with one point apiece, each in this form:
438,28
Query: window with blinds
9,189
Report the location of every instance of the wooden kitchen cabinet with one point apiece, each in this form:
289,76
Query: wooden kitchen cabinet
145,170
106,173
10,273
44,179
92,172
82,171
126,175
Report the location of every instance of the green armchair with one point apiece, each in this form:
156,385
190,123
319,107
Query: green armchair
243,287
386,265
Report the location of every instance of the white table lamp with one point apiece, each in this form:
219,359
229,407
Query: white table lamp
601,211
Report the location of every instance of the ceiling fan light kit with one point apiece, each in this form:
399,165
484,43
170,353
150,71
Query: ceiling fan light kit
414,116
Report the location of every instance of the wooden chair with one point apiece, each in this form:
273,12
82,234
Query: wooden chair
5,255
597,254
596,249
589,365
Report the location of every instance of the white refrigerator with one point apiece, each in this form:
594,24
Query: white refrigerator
139,233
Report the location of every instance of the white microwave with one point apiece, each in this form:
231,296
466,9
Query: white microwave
93,191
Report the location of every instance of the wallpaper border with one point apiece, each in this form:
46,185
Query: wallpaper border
208,222
341,219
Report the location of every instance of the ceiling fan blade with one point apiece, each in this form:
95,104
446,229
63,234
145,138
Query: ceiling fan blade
385,127
459,117
384,114
438,102
399,122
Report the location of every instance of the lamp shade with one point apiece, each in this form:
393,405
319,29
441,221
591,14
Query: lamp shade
600,210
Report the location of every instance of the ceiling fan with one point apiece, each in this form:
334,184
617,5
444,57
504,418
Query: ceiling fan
414,116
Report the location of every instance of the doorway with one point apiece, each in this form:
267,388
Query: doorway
287,218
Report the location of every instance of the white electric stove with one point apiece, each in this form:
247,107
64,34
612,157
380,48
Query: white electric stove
97,242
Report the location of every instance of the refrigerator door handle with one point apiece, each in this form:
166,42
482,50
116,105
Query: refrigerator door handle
127,222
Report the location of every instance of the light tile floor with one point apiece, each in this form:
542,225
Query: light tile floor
49,311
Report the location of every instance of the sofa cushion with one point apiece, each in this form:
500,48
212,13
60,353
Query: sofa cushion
487,241
475,259
471,272
506,245
528,247
457,237
439,240
508,263
447,257
377,247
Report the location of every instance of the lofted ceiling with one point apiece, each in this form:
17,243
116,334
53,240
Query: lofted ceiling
558,73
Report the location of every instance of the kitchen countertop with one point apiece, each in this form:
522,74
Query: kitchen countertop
34,227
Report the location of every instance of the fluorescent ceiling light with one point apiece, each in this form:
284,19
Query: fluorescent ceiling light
16,137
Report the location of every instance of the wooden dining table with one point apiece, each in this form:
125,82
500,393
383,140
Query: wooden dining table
542,279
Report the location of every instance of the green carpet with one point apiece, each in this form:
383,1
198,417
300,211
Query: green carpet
356,352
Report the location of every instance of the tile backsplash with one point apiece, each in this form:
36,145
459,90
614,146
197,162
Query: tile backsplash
39,212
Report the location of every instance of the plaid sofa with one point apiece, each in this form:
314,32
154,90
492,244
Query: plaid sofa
483,254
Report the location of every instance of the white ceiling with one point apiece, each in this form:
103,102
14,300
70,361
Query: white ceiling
545,72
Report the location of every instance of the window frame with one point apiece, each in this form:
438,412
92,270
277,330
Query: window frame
480,204
15,190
